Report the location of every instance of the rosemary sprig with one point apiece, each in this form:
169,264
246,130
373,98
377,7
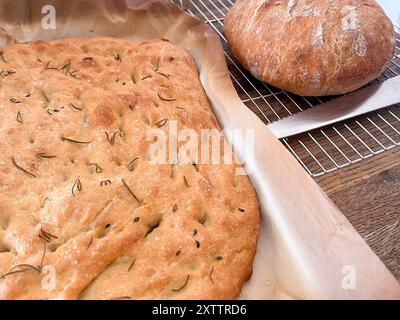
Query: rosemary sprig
75,107
178,253
66,69
197,243
195,232
241,210
165,99
218,258
130,190
74,141
78,184
136,219
25,266
98,169
161,123
196,167
22,169
174,208
19,117
122,298
44,155
88,59
184,284
131,265
131,165
105,183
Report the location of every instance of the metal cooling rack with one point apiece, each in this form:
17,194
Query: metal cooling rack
322,150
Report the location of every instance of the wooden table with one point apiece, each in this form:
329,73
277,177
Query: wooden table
368,193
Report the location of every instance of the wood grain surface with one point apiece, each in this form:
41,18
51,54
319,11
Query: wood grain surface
368,193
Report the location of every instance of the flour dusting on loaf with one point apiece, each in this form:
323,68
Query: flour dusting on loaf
311,47
83,214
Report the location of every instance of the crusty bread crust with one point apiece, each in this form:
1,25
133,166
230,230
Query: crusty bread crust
311,47
76,191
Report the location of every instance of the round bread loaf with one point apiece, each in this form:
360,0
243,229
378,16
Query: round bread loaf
311,47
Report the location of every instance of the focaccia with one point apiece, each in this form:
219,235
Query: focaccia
84,214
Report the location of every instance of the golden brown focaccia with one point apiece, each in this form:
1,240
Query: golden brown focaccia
79,200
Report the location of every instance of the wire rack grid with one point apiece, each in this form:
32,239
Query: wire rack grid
322,150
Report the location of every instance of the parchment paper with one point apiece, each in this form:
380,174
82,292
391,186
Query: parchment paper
307,248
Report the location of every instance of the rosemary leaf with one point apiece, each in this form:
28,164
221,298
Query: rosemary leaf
186,182
163,74
161,123
46,236
184,284
75,107
130,190
13,100
98,169
157,65
133,78
2,57
211,272
147,77
44,155
131,265
90,243
111,139
165,99
22,169
78,185
105,183
74,141
131,165
19,117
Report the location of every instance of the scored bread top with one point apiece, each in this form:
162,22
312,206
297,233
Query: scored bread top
311,47
83,214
